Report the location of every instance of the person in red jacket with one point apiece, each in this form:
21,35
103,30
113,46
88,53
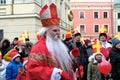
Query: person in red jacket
49,58
23,71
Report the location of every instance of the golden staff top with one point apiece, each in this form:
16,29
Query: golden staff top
97,45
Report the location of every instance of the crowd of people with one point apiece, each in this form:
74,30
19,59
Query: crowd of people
12,58
54,59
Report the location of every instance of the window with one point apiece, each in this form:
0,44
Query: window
106,27
96,28
105,15
118,15
119,28
95,14
2,1
1,34
81,14
82,28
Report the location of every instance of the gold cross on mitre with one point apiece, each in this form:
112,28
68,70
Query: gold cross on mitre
82,40
97,45
26,34
118,35
103,29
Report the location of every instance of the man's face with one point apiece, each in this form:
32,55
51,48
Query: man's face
15,41
55,32
78,38
118,46
103,38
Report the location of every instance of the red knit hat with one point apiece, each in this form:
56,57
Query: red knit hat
87,41
25,60
15,54
49,16
76,52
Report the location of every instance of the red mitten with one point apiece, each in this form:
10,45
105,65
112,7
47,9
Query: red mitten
64,75
81,72
76,52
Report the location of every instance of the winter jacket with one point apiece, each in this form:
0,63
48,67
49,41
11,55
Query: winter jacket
2,72
12,70
93,72
7,56
89,50
115,62
83,58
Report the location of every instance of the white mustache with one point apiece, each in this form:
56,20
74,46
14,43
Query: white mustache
57,37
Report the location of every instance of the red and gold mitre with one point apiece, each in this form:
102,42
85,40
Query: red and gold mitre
49,15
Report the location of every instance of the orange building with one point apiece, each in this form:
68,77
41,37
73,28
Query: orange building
90,16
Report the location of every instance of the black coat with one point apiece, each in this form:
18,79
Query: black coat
115,62
83,59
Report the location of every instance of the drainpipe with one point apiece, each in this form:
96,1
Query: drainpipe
12,7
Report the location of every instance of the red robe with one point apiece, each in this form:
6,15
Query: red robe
21,75
41,66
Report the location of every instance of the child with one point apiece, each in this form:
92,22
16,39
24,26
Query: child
13,66
22,71
93,72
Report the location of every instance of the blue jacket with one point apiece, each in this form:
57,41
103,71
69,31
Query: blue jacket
12,70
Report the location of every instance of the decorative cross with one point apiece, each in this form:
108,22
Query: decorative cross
103,29
97,45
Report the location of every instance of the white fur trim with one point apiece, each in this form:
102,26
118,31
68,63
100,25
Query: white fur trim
56,74
16,56
25,62
90,58
107,45
43,30
74,74
72,57
93,57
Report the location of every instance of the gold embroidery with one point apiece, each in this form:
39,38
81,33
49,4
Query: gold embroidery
50,22
41,56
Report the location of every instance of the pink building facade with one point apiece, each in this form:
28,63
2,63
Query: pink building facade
90,16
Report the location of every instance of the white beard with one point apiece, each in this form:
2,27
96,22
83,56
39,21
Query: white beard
58,51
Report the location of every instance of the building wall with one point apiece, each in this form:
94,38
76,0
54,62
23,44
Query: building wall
92,0
23,15
117,20
89,21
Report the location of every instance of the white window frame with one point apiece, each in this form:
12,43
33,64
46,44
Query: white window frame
117,15
107,14
84,28
98,28
93,14
108,27
79,14
117,28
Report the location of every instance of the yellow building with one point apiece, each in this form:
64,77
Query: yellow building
16,16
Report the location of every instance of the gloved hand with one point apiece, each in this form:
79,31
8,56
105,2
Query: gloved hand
64,76
81,73
59,74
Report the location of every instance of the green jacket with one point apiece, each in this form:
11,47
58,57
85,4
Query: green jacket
93,72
